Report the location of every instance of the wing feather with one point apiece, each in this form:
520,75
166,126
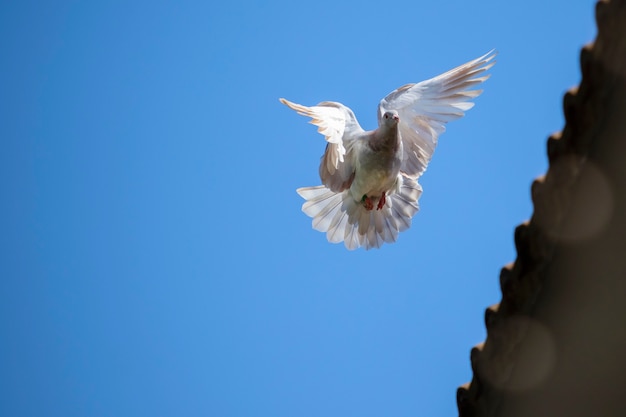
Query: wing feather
340,128
424,109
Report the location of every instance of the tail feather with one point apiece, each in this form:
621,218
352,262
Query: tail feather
364,221
337,232
345,220
324,220
352,238
374,239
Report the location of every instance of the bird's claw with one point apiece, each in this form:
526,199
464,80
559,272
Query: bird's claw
367,203
381,202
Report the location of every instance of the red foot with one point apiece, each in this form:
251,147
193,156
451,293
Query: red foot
367,202
381,202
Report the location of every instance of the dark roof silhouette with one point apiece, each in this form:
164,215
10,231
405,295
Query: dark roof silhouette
556,343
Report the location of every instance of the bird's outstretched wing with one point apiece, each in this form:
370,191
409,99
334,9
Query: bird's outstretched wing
424,109
340,128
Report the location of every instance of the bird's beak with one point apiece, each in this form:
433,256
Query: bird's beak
396,118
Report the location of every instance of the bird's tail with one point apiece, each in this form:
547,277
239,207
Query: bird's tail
345,220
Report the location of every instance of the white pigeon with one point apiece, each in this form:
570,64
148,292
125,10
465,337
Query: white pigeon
370,190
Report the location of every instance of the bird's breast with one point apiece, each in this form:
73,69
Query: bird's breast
377,169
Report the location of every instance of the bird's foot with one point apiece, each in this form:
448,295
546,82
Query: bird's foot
367,202
381,202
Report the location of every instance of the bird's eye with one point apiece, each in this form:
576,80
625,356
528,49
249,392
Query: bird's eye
386,116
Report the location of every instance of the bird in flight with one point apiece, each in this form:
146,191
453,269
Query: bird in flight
369,188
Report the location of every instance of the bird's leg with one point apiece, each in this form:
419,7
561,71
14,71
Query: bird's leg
367,202
381,202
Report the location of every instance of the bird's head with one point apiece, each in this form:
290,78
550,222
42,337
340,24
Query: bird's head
391,118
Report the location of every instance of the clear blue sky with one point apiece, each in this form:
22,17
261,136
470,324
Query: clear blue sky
154,260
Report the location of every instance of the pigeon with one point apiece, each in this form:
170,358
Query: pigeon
369,188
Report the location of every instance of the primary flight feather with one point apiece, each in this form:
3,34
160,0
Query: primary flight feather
370,189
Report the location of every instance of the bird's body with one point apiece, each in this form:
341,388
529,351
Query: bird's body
378,164
370,190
